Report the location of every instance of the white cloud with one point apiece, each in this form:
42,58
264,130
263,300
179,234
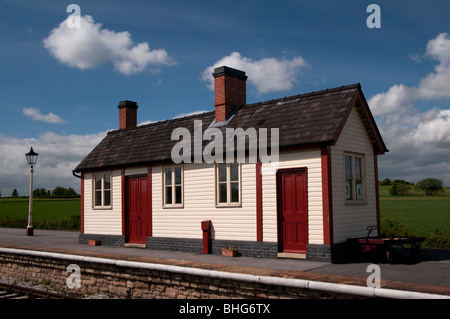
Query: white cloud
267,75
419,141
146,122
418,147
434,131
190,113
399,97
36,115
415,57
58,156
434,87
92,45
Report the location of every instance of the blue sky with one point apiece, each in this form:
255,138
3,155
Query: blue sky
59,89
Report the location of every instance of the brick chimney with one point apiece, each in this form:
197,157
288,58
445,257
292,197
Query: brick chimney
127,114
230,91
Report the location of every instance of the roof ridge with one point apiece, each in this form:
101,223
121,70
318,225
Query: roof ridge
307,95
174,119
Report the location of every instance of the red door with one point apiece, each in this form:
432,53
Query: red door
292,210
137,209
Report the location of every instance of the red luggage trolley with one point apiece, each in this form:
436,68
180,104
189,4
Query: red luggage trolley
384,247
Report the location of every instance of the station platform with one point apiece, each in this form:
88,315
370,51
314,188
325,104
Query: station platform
429,277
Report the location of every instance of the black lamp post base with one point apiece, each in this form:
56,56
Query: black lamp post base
30,231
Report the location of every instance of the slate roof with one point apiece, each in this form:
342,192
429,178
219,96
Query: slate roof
315,118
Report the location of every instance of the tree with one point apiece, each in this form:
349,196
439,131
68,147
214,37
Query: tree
71,192
58,191
402,181
64,192
386,181
399,187
40,192
15,193
430,186
36,192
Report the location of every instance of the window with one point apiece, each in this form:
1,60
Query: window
102,190
354,189
173,186
228,184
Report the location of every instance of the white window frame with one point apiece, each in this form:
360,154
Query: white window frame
102,190
228,182
357,194
173,186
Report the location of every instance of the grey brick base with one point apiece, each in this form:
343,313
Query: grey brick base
245,248
177,244
335,253
107,240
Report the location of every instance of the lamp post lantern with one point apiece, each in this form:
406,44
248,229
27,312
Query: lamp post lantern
31,159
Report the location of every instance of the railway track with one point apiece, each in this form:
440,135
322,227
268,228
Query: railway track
17,292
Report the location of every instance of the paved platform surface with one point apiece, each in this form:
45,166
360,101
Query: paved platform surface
430,275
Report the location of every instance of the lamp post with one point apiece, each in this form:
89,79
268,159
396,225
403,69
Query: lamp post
31,159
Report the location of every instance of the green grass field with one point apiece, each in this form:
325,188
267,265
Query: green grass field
49,213
421,214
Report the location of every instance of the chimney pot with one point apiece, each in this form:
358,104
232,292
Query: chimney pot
127,114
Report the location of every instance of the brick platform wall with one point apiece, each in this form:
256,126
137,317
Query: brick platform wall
129,282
